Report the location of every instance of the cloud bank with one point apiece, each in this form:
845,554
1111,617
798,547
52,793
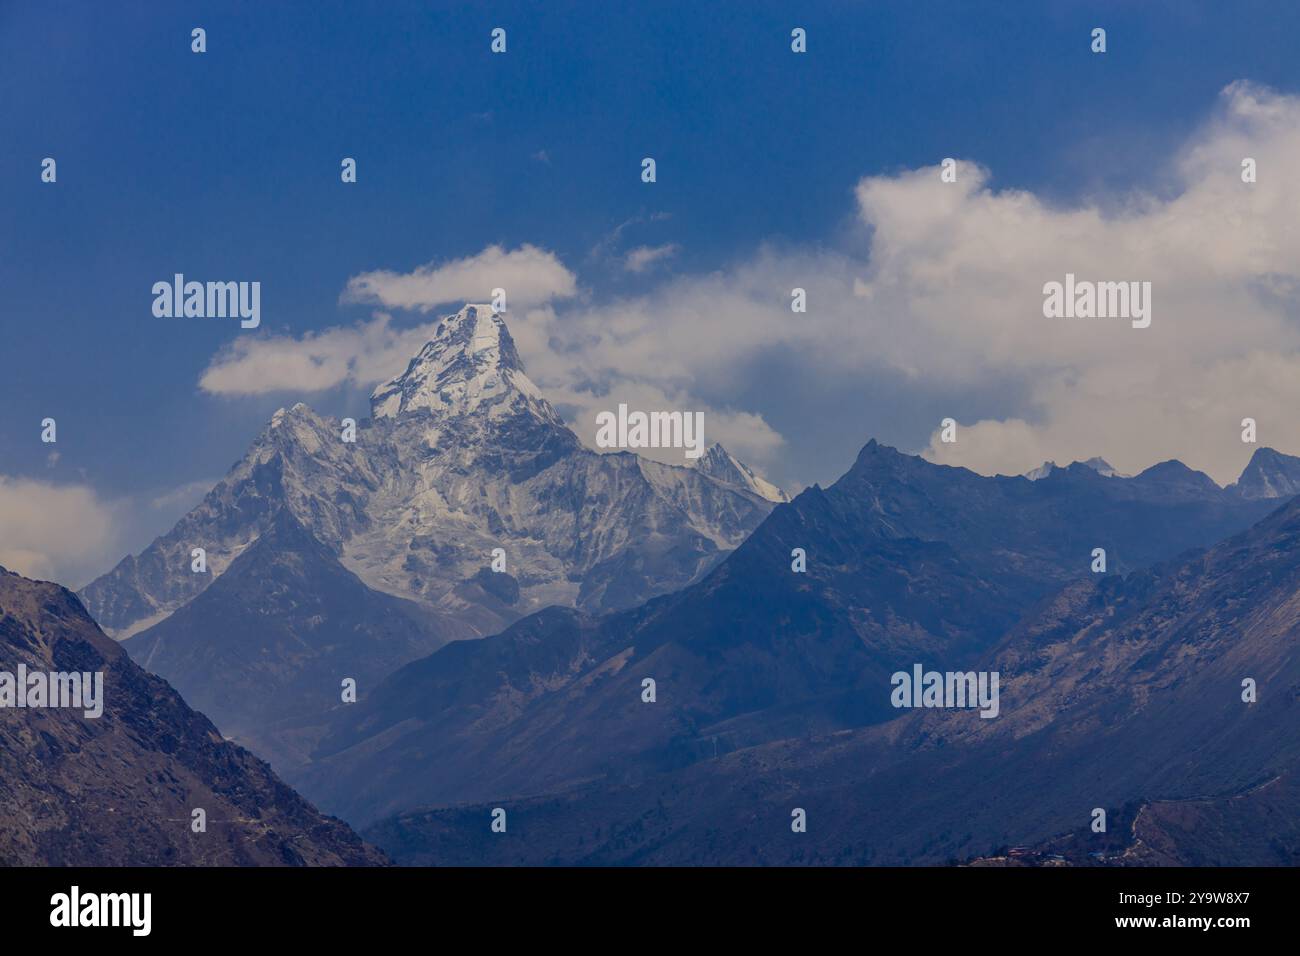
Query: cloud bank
53,531
946,296
363,354
530,276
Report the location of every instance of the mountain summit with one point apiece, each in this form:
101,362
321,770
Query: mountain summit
471,365
718,463
1270,474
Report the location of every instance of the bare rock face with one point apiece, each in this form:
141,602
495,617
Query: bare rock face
120,789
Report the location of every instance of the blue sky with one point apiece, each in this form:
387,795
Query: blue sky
226,166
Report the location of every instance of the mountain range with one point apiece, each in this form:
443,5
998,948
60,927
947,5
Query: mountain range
1125,693
906,562
649,662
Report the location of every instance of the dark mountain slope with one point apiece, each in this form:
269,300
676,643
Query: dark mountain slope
1116,693
120,789
907,562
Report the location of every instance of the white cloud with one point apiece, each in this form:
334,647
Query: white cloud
948,301
745,434
612,240
529,275
181,499
643,257
962,271
362,354
50,531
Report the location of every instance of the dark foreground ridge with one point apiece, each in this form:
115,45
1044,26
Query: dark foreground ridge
121,789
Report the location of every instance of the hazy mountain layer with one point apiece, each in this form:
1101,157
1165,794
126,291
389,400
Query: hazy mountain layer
1123,693
907,562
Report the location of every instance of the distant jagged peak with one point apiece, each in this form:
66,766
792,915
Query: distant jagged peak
297,430
1100,465
720,464
1269,474
282,413
875,453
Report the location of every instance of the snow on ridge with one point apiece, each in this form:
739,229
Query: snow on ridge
470,364
720,464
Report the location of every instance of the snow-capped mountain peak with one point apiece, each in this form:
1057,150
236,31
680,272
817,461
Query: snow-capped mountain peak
470,364
464,456
718,463
1102,467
